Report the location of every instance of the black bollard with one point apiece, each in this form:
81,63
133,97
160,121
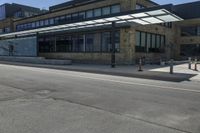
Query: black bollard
140,65
195,65
189,62
171,66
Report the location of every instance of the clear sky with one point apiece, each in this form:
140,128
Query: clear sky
46,3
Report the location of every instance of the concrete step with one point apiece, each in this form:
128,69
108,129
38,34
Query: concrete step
35,60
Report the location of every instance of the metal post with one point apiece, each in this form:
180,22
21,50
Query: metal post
140,65
113,63
37,41
171,66
195,65
189,62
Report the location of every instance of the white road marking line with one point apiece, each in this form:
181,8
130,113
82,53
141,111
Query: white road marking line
101,79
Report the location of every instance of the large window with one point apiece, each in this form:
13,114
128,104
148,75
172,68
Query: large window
115,9
148,42
1,31
106,11
97,12
90,42
33,24
46,22
62,20
190,31
81,15
47,44
89,14
68,18
106,41
198,30
74,17
2,12
188,50
7,29
42,23
37,23
51,21
78,43
61,44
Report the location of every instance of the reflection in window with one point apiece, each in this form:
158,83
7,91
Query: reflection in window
37,24
78,43
139,6
189,50
51,21
89,42
97,12
62,20
41,23
47,44
148,42
68,18
106,11
190,31
106,41
81,15
46,22
115,9
75,16
89,14
33,25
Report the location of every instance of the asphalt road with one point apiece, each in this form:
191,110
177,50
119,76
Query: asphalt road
39,100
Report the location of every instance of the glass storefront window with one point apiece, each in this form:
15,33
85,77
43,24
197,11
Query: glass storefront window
158,41
89,42
106,42
149,42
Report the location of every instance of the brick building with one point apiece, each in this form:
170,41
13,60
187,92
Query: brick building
153,36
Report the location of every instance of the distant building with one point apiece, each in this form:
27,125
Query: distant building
9,12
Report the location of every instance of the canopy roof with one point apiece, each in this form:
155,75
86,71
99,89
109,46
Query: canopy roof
154,15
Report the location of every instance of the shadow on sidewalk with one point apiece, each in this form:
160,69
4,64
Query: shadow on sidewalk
119,71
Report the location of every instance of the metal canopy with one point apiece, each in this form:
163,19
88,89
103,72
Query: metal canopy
154,15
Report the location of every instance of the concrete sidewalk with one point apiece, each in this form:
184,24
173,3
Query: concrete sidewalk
156,72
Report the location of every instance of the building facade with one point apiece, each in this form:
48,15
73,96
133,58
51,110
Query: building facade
93,45
10,12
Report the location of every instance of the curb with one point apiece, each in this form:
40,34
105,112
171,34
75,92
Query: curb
149,75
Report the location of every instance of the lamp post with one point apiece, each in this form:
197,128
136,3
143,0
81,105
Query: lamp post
113,60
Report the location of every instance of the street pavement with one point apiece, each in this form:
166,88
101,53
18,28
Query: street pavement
41,100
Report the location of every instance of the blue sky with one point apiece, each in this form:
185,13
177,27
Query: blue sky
46,3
